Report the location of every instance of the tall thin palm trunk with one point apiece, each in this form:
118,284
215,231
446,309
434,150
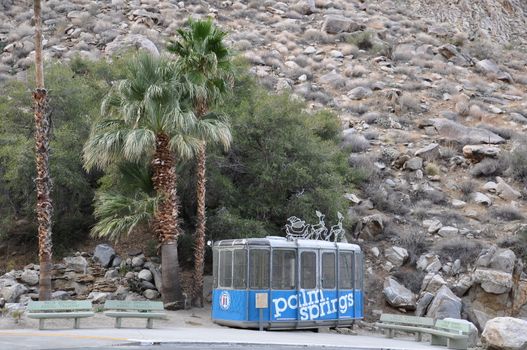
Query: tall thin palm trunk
166,224
43,180
199,240
201,218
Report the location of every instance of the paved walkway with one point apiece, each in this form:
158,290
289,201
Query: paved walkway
101,337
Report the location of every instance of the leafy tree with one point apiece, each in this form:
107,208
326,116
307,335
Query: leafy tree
284,161
204,63
76,95
143,120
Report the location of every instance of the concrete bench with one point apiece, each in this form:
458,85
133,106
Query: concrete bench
450,333
411,324
43,310
134,309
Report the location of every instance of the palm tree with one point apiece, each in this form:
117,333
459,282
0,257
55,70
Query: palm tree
43,179
143,119
205,66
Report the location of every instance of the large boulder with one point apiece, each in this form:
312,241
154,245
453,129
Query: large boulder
465,134
396,255
505,333
104,254
398,295
127,41
76,263
503,260
12,293
505,191
338,24
445,304
493,281
423,303
480,306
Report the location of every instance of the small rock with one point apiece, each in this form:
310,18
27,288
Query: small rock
98,297
447,231
359,93
151,294
432,282
433,225
488,66
375,251
60,295
145,275
310,50
138,261
480,198
117,261
111,274
104,254
458,204
76,263
415,163
490,186
428,152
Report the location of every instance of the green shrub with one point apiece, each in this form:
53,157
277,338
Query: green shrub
518,163
74,98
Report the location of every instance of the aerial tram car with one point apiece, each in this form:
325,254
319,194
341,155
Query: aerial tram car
287,283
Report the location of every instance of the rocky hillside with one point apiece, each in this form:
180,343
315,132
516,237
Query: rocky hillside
433,102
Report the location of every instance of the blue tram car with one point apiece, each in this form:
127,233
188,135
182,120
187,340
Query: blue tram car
275,283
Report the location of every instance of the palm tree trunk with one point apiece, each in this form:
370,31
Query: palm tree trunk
199,240
43,180
166,224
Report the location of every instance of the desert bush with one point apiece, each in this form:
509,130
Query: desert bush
409,103
363,168
414,241
357,143
467,251
387,199
518,163
371,135
517,243
358,108
75,94
434,196
506,213
432,169
466,188
371,117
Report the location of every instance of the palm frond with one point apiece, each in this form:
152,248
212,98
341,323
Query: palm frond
118,215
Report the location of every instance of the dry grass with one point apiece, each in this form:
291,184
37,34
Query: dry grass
409,103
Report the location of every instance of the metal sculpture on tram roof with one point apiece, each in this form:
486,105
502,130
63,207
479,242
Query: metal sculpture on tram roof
297,228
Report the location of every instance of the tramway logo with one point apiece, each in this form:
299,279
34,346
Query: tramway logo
225,300
312,304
